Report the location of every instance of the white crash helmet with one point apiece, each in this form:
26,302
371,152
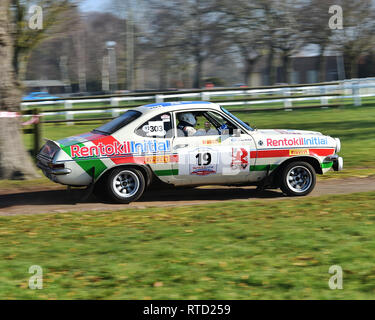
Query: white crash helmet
188,117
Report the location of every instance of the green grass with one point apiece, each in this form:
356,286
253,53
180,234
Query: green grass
26,185
242,250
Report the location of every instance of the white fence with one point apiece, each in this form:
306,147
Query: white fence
355,89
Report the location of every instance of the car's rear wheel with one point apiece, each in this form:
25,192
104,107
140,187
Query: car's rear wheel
298,179
125,185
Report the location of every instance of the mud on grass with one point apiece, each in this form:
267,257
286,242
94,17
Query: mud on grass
235,250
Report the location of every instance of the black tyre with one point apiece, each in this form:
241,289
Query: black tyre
298,179
124,185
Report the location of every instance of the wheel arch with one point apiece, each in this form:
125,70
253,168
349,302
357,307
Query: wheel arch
315,163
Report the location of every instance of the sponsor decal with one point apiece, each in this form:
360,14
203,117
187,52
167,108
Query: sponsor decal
299,152
158,159
285,153
203,171
240,158
116,148
154,128
203,161
166,117
313,141
207,142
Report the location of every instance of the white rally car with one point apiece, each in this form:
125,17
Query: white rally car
187,144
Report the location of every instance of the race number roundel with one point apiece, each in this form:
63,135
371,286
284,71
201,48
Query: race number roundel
154,128
199,162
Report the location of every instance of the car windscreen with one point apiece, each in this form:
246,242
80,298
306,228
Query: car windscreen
118,123
238,120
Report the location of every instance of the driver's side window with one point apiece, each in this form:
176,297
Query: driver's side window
202,123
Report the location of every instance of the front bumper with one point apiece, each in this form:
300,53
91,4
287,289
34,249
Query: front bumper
338,162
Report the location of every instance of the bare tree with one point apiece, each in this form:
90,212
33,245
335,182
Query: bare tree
16,43
26,39
14,160
191,27
314,21
243,27
356,37
285,33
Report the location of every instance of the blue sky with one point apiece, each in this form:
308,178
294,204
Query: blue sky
94,5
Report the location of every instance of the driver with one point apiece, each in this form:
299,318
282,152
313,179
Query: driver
187,123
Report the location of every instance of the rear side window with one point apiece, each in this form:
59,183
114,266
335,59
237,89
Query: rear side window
118,123
158,127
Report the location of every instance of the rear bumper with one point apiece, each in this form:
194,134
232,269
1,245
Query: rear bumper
50,171
44,164
70,174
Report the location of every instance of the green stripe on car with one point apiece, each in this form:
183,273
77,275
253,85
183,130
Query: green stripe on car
263,167
168,172
87,165
326,165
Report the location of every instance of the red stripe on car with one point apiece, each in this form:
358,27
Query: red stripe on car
286,153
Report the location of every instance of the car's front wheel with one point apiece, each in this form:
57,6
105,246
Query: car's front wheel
298,179
125,185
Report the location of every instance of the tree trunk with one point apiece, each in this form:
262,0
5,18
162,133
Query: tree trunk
321,67
354,68
289,70
270,66
321,63
14,159
163,75
198,71
249,66
22,67
285,59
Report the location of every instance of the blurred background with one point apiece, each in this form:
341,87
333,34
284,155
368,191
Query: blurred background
108,46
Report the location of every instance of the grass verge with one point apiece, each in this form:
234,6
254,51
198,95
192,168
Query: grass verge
238,250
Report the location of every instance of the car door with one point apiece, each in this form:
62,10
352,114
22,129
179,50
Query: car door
212,155
154,138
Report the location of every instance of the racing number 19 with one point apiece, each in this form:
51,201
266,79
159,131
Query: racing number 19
206,157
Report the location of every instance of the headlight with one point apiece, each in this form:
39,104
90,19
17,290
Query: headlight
338,145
